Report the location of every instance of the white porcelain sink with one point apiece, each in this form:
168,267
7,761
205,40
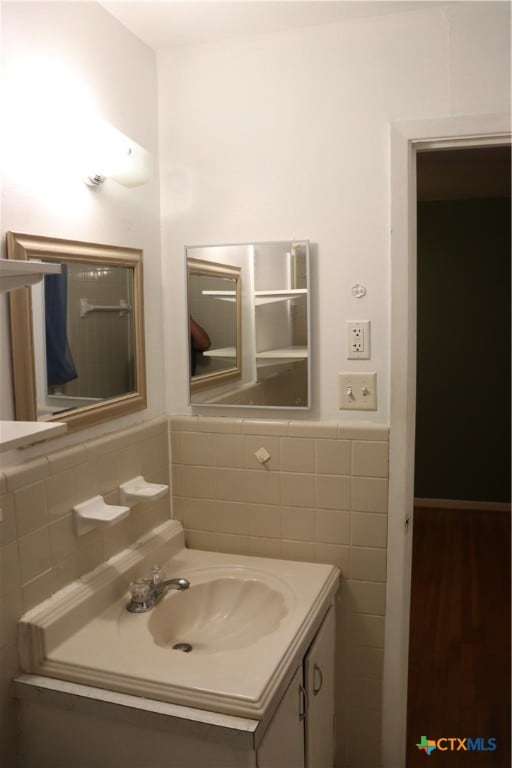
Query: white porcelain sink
222,614
248,620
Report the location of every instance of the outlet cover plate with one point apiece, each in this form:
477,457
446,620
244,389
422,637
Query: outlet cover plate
358,391
358,340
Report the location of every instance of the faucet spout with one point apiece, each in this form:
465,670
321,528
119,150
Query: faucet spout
163,587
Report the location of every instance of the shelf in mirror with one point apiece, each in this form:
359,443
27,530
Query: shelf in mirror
261,297
281,356
291,353
221,295
285,294
221,352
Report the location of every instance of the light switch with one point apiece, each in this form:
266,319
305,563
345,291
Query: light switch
358,391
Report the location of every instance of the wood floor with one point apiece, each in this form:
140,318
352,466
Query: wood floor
459,658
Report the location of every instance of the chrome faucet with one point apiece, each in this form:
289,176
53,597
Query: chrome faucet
146,593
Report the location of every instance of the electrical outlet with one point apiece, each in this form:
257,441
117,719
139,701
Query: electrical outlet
358,340
358,391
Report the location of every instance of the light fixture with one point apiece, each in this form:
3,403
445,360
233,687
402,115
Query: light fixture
112,155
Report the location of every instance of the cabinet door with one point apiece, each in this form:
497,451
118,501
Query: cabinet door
283,743
319,684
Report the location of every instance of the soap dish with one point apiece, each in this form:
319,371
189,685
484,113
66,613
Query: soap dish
95,512
137,490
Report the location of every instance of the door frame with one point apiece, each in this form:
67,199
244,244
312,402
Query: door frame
407,138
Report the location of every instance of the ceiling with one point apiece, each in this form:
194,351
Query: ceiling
170,23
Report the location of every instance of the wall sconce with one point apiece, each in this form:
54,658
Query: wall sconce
112,155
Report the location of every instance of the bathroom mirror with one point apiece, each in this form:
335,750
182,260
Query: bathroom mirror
78,337
270,300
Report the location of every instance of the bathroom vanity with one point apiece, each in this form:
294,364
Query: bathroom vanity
235,671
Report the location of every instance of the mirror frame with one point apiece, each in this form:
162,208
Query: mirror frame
25,247
214,269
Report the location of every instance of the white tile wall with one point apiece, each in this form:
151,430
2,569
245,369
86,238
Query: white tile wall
39,551
322,496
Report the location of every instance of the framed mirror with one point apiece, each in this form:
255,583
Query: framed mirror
271,303
214,304
78,337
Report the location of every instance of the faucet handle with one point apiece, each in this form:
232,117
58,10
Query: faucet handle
157,575
140,590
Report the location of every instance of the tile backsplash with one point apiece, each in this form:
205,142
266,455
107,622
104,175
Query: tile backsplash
40,552
321,497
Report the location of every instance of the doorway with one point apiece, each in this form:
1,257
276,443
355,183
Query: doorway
459,649
407,138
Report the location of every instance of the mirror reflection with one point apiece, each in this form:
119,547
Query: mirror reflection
214,318
78,336
272,353
83,336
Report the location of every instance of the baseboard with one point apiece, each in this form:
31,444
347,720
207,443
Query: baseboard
483,506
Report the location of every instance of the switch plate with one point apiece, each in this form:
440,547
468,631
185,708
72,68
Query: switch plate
358,340
358,391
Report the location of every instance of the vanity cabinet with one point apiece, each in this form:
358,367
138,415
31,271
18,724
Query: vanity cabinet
301,733
283,743
319,687
255,691
66,724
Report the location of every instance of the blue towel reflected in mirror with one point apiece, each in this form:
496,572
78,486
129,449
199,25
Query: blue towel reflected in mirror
60,367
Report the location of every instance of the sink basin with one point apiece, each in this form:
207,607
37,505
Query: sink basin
222,614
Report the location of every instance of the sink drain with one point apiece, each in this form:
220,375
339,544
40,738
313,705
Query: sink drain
185,647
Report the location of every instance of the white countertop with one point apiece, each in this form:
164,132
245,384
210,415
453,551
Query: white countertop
114,649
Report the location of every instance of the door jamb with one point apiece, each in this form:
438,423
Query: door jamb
406,139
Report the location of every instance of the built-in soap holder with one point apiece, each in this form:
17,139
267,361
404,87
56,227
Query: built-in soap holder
137,490
95,512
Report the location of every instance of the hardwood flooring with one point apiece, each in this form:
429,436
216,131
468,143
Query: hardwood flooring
459,657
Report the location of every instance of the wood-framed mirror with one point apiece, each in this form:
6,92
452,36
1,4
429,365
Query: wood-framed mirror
214,307
77,338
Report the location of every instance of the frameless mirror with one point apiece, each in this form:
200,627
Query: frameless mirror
254,326
78,337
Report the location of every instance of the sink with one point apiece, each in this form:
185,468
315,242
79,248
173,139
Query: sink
247,619
221,614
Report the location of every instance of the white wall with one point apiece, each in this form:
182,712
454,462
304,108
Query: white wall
62,64
286,136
